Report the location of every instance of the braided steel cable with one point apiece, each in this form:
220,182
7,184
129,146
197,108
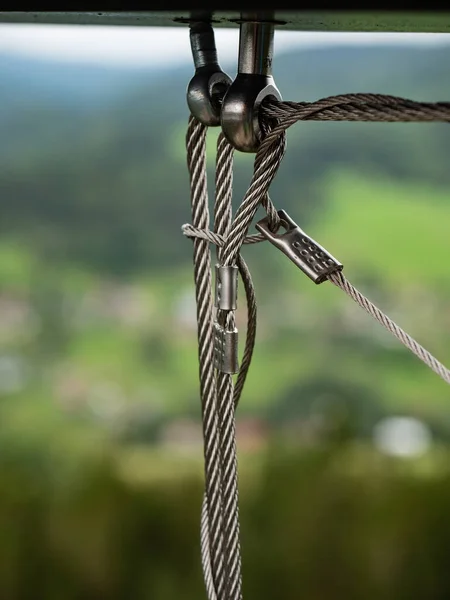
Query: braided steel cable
212,526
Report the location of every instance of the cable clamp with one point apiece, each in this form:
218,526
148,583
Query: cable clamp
226,287
316,262
225,349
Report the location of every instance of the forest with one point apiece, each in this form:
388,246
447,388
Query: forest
100,437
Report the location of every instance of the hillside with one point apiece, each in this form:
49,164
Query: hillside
122,134
95,276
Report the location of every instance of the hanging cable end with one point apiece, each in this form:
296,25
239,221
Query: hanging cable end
316,262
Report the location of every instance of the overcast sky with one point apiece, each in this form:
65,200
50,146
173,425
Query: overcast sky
140,46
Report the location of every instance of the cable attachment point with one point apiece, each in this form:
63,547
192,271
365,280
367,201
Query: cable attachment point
307,254
226,287
253,83
209,84
225,349
226,340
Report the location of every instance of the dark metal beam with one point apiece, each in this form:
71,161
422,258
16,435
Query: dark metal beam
406,20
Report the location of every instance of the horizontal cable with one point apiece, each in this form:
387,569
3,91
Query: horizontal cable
357,107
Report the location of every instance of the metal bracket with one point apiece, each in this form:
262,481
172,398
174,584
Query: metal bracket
307,254
253,83
209,84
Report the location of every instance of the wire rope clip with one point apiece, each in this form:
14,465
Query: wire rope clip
316,262
225,349
253,84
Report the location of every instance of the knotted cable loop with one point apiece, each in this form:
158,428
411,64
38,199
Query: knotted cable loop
205,234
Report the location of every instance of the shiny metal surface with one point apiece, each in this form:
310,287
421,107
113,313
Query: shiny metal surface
225,350
256,48
253,83
209,83
316,262
226,287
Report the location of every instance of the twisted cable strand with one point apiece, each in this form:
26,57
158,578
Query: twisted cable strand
221,481
225,390
266,167
359,107
211,528
341,282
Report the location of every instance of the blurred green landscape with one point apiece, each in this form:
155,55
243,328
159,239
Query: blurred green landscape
100,435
